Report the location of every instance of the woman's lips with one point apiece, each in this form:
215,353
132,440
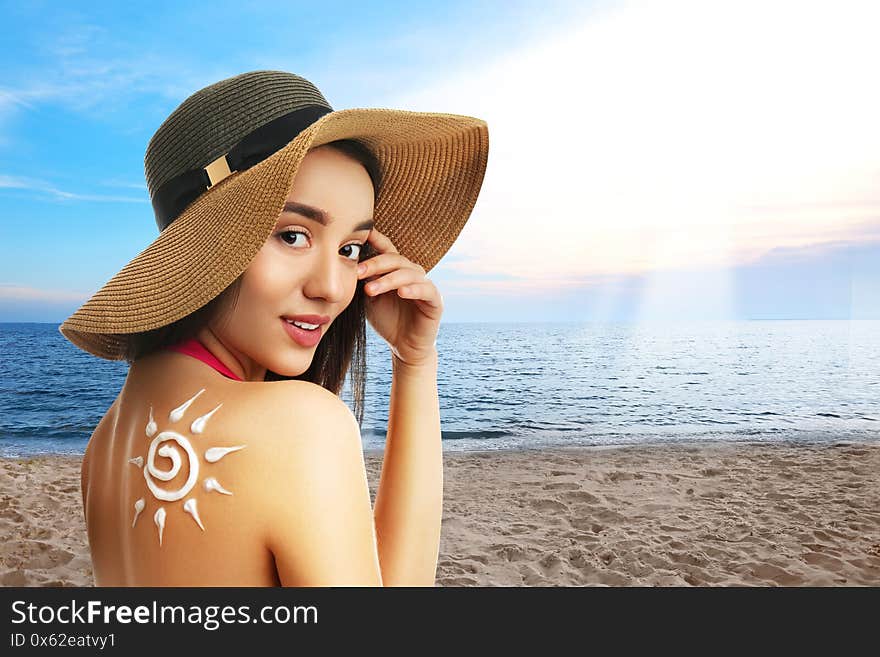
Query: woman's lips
303,337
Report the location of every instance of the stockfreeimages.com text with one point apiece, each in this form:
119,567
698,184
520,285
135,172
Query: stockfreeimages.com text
210,617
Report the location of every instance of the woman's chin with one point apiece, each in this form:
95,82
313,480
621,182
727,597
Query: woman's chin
291,367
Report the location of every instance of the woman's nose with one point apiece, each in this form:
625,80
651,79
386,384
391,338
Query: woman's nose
327,277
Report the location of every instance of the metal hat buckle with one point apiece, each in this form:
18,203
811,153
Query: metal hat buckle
217,170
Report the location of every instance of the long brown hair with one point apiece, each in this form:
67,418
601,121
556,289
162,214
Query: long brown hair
341,351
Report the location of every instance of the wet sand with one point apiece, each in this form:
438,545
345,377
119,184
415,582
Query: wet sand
672,515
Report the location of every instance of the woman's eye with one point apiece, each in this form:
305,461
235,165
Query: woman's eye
293,241
354,253
354,249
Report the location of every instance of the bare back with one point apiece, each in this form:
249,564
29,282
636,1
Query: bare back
191,477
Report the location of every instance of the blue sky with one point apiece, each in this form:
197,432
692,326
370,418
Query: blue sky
666,174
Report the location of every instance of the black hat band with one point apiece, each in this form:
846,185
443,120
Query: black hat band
173,196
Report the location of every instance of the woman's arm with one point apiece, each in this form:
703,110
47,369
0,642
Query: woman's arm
409,499
310,486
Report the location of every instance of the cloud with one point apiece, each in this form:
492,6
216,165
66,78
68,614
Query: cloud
656,136
124,183
839,280
10,100
98,70
24,293
42,187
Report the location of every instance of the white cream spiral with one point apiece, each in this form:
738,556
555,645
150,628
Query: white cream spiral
153,472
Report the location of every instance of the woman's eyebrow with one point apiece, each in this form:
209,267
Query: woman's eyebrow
319,215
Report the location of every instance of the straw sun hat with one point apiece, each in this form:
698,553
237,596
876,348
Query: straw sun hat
219,169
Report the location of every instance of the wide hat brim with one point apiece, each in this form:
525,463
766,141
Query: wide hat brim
432,168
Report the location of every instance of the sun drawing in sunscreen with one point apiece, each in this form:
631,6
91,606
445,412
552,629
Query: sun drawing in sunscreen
177,448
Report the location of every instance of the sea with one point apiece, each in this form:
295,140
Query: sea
535,385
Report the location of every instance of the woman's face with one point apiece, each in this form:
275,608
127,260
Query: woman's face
308,266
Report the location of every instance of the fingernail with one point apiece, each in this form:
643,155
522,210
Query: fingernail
362,268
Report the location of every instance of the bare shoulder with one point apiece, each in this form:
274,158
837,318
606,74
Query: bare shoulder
295,415
313,493
288,424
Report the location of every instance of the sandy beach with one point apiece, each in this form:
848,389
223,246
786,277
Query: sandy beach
672,515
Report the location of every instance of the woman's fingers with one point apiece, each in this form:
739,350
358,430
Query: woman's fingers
399,272
381,242
397,278
424,291
385,262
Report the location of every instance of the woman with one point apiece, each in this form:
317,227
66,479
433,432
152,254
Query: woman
228,457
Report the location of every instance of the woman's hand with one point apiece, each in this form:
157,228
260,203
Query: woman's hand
410,318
